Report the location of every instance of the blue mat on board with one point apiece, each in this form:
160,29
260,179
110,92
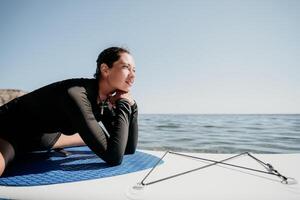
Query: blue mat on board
44,168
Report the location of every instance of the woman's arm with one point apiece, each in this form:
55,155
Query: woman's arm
133,119
118,129
83,119
132,140
133,131
110,150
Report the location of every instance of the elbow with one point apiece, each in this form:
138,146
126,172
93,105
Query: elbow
130,151
115,160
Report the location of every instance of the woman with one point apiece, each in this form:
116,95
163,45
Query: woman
67,113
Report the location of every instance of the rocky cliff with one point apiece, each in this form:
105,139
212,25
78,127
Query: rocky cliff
8,94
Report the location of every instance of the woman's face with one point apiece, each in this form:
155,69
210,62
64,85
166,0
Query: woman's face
122,74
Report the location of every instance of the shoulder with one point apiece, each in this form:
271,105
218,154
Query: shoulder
83,82
60,86
81,88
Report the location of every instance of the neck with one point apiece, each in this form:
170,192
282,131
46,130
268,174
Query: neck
104,90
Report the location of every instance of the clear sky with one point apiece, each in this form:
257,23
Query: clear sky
225,56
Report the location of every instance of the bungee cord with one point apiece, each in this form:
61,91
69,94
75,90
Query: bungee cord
270,169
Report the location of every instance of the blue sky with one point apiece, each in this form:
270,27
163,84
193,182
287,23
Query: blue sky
229,56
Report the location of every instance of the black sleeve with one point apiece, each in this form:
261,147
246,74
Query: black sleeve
110,150
83,119
132,140
133,131
118,132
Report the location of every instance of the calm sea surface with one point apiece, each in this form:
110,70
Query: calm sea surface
220,133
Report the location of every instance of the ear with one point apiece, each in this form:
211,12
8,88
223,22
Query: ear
104,69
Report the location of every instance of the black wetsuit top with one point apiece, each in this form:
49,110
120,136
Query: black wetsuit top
70,107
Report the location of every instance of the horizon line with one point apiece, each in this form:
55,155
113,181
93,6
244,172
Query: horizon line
219,113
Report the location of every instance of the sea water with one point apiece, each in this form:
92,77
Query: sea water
230,133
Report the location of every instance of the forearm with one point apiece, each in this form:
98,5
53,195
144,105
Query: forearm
133,131
118,129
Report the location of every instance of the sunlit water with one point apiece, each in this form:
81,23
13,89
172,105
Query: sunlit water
220,133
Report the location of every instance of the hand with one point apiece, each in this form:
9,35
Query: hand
121,95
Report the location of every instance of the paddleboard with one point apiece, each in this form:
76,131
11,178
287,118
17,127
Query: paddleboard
177,177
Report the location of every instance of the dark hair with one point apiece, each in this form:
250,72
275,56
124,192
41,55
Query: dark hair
108,56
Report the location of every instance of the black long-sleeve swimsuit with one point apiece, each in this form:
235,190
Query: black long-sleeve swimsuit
70,107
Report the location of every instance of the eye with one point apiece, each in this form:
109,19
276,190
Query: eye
128,67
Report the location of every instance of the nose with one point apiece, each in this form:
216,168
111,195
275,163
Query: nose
132,73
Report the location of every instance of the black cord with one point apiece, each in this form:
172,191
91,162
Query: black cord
269,167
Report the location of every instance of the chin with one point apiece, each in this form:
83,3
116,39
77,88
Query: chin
124,89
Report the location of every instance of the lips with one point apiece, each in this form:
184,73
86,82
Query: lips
130,83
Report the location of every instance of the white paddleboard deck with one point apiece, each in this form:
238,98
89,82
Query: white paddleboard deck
215,182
